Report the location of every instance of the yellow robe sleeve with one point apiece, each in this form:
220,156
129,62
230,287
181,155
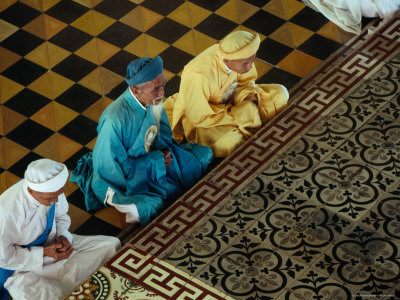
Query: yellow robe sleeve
199,112
247,85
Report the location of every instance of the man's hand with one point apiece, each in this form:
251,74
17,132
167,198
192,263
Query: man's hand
66,245
252,97
62,249
167,157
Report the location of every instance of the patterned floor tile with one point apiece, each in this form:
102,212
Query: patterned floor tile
337,126
300,227
383,217
289,167
238,212
377,90
392,108
364,260
250,269
313,284
200,247
345,186
262,193
376,143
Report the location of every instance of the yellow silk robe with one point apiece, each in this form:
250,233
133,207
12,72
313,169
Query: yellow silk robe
210,108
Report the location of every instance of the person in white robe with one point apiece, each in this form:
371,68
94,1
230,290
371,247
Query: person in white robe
39,257
347,14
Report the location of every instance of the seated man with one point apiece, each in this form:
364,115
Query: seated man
39,258
136,165
218,104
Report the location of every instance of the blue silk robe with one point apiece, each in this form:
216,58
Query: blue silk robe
128,159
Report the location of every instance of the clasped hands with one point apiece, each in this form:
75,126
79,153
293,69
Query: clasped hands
61,249
167,157
252,97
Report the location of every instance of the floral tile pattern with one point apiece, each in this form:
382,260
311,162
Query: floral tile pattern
249,268
308,208
377,143
345,186
364,260
315,285
288,167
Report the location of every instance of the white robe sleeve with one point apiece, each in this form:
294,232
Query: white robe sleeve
14,257
62,220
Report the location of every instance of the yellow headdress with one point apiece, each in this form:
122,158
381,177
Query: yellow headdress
239,45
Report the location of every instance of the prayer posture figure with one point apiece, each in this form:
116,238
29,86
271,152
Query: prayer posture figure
218,104
136,165
39,258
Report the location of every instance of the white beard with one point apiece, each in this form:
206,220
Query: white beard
157,112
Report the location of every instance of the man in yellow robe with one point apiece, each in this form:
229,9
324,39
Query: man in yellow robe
219,104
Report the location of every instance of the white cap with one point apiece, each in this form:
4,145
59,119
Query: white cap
46,176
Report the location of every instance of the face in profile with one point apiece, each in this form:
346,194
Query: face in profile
240,66
152,92
46,198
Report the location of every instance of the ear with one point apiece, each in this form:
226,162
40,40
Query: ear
135,90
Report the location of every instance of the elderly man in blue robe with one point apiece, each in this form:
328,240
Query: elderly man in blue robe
136,166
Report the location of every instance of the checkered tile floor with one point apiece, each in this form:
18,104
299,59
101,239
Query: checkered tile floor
62,62
276,219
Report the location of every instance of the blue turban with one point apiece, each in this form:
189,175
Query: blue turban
143,69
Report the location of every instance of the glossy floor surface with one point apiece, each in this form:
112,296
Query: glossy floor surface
308,207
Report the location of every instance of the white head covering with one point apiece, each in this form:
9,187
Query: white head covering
46,176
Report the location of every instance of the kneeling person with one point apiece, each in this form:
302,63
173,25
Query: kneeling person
136,165
39,258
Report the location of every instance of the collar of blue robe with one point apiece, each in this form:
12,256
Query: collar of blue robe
5,273
143,69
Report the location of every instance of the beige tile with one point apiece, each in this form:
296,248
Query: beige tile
11,119
53,26
6,3
39,55
66,147
109,80
13,152
42,86
8,89
187,43
63,115
110,215
37,27
154,46
59,84
138,46
149,18
134,19
181,15
245,10
92,81
37,4
56,54
6,29
45,117
228,11
276,7
7,58
48,148
89,51
78,216
197,14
